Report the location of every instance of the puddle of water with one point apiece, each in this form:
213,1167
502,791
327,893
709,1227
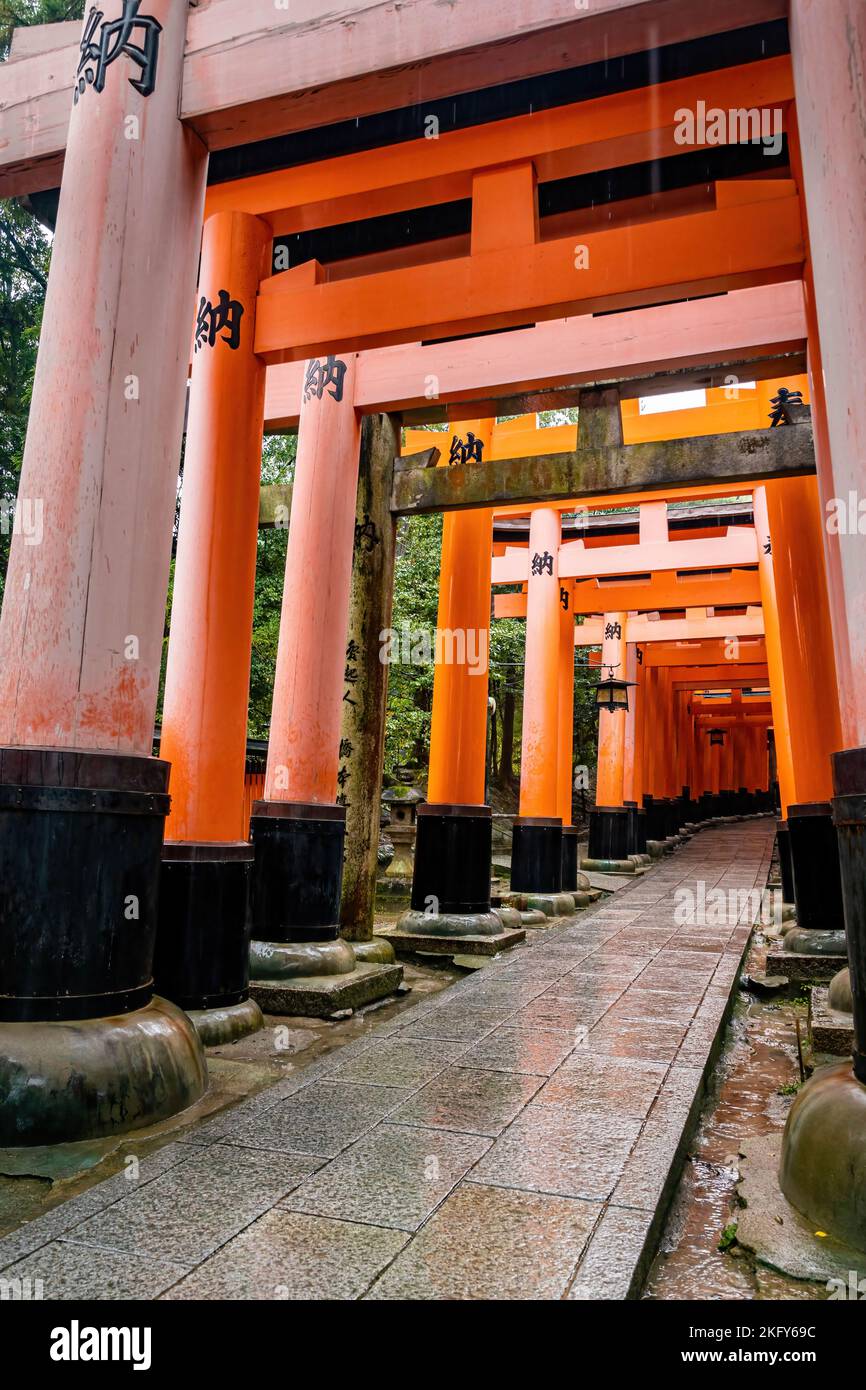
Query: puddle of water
758,1061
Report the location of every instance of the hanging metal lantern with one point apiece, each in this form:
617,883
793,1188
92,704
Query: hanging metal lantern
717,737
612,694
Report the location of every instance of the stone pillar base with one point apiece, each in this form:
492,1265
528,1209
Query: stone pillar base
849,817
65,1082
216,1027
839,994
451,934
805,942
332,996
612,866
823,1166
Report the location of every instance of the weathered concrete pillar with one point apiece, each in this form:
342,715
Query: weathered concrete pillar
362,731
536,863
298,962
84,1048
202,956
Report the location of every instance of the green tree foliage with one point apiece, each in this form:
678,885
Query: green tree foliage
278,466
416,603
15,14
24,257
25,252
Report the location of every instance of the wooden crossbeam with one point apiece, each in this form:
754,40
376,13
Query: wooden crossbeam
738,243
669,347
744,459
254,70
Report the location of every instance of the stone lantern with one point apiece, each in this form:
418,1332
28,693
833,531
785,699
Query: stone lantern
402,803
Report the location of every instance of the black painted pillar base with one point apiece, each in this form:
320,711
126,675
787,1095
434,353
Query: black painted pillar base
654,818
297,870
536,855
202,958
453,848
636,828
299,963
80,845
609,837
815,864
849,815
569,859
786,872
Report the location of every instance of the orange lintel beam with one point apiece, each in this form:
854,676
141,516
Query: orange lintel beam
707,252
721,678
605,132
710,652
642,628
254,69
664,590
760,321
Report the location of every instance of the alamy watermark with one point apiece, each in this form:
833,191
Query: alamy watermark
711,125
22,516
701,906
443,646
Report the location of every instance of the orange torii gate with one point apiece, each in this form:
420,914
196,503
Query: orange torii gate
82,623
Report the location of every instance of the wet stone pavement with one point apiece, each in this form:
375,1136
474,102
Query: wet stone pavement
518,1135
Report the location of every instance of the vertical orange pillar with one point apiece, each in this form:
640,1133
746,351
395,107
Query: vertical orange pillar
537,842
565,728
639,697
206,876
650,730
458,725
775,663
84,610
611,727
309,686
298,829
451,875
814,729
204,724
630,732
611,837
565,737
538,765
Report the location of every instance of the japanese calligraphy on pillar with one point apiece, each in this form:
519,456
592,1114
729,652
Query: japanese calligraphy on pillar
542,564
468,450
327,376
613,630
350,678
134,36
220,321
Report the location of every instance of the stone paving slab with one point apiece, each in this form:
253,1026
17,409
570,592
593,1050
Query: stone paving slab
517,1136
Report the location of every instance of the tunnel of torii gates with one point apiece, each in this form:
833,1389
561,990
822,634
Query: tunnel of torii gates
333,226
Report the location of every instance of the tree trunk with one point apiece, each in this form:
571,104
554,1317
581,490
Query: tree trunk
506,760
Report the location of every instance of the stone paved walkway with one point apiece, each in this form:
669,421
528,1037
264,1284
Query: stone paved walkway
519,1136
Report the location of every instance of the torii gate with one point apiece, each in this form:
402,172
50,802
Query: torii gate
81,630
